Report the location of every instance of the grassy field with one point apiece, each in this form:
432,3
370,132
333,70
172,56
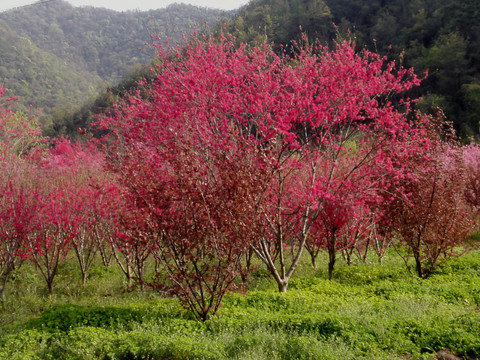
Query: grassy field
366,312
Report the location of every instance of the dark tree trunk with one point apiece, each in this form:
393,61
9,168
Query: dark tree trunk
313,258
418,265
331,261
331,254
50,286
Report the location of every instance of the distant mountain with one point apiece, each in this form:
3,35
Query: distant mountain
53,53
39,78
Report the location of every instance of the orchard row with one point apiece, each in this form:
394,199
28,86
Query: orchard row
235,152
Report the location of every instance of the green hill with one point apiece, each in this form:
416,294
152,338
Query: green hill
39,78
53,53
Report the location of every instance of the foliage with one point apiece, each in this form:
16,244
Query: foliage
76,122
227,150
433,218
436,35
281,21
18,136
69,186
196,193
50,199
66,317
231,147
439,36
366,312
40,79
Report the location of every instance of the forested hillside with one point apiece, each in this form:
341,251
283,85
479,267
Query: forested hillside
55,54
280,20
442,36
38,77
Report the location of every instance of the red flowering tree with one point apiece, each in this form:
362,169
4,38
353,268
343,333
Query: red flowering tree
341,136
134,240
56,223
90,191
18,135
70,182
341,221
196,205
432,216
18,210
190,160
380,239
234,147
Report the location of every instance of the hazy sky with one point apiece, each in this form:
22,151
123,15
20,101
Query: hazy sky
122,5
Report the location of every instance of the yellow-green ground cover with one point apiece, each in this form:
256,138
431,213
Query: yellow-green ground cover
365,312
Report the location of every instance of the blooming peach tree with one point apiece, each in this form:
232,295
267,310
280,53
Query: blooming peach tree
236,147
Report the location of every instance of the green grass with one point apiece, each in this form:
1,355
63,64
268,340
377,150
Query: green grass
366,312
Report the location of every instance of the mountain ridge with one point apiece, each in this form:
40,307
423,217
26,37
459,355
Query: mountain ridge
84,43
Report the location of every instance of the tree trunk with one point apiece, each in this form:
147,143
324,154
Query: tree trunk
50,286
313,258
331,262
347,256
3,295
128,275
332,241
141,282
140,271
418,265
84,278
248,264
282,285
